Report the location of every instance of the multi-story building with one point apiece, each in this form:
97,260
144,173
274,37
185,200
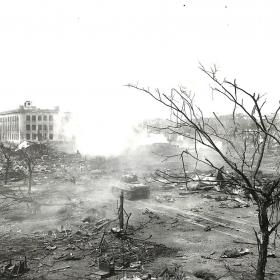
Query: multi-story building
29,123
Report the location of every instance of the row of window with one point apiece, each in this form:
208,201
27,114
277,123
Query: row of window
40,127
39,136
7,137
9,119
9,127
40,118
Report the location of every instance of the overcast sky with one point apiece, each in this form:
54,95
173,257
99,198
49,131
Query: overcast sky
79,54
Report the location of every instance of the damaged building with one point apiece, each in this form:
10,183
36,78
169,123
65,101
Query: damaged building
29,122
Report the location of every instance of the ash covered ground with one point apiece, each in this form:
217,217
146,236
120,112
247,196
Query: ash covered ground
69,228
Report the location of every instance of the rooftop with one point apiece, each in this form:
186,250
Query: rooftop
28,107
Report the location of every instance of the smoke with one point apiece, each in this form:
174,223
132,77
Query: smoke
113,129
113,139
104,137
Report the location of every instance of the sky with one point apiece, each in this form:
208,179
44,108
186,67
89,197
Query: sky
80,54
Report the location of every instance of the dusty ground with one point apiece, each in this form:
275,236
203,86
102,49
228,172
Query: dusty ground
190,231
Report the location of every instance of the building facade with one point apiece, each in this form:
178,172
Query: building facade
29,123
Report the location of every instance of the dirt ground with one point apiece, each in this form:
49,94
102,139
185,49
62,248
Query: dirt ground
69,234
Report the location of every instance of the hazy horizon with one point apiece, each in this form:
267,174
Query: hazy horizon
79,55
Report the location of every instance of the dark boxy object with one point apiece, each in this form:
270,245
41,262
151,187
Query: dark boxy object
132,191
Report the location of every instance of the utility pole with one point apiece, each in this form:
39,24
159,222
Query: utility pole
121,219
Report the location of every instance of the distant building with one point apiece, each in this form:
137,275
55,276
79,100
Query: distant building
30,123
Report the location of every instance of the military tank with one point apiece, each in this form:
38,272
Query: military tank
132,189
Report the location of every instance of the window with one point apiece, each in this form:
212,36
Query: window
51,136
34,118
33,126
33,136
51,127
39,127
45,118
40,136
39,118
27,117
28,127
51,118
45,127
27,136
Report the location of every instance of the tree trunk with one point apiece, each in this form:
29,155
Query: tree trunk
262,259
184,169
6,173
29,182
121,218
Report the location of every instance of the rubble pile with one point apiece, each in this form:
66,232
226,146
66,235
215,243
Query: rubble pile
106,249
52,164
14,269
72,195
171,185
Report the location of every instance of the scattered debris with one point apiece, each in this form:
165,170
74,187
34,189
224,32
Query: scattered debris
221,198
70,257
244,242
14,270
100,273
234,253
205,275
164,197
136,264
208,256
271,255
233,204
242,202
51,248
89,219
60,268
207,228
188,193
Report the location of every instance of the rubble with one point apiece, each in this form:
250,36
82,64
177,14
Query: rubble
271,255
234,253
14,270
164,197
68,257
104,248
109,249
135,264
205,275
51,248
101,274
207,228
60,268
232,204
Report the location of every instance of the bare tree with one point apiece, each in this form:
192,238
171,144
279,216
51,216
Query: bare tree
7,152
243,150
30,155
